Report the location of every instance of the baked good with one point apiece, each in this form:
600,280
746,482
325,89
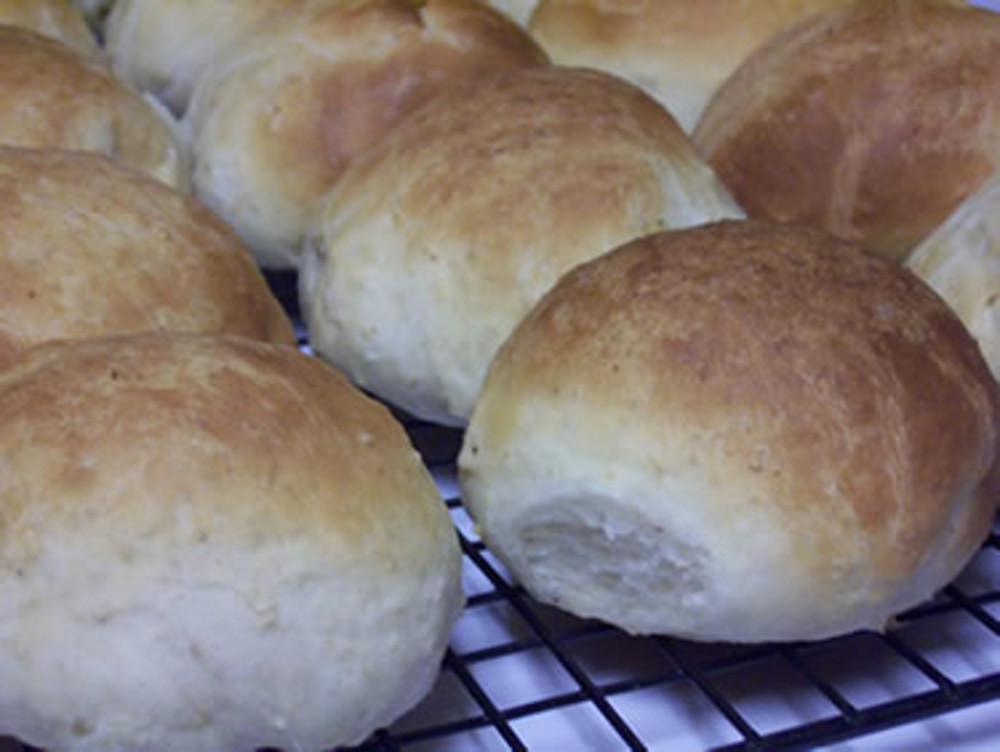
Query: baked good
56,97
519,10
275,120
677,50
89,248
211,544
440,238
163,48
961,261
59,19
873,123
739,432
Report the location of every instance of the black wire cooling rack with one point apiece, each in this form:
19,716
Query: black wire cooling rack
523,676
519,675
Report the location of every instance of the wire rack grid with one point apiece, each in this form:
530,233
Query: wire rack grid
521,675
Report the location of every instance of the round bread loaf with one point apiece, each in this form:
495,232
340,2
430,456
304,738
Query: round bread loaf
274,121
56,97
739,432
873,123
163,47
59,19
439,239
211,544
961,261
677,50
89,248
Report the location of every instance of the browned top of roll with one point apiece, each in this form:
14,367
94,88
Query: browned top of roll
89,248
873,123
56,97
212,412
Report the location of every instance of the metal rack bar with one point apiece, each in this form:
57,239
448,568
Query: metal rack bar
517,600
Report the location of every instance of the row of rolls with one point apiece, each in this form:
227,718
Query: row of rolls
710,288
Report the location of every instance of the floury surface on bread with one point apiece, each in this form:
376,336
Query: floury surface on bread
89,248
211,544
873,123
437,240
58,98
275,120
739,432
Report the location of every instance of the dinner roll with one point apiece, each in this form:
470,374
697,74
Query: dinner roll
961,261
275,120
56,97
211,544
739,432
677,50
873,123
439,239
59,19
89,248
163,47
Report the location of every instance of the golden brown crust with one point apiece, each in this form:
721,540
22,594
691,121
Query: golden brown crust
679,51
59,19
275,122
86,423
89,248
873,123
831,385
56,97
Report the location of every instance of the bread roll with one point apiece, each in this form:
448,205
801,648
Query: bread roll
163,48
59,19
438,240
739,432
275,121
961,261
677,50
89,248
211,544
56,97
873,123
